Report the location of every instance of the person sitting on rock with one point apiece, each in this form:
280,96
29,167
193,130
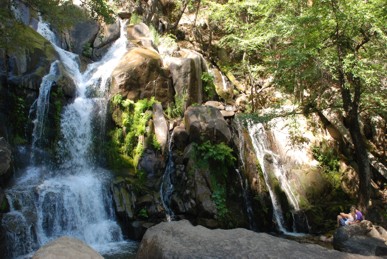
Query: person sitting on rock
344,219
358,216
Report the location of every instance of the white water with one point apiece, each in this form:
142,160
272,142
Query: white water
71,198
42,103
262,150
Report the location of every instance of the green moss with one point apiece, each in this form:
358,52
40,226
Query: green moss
126,145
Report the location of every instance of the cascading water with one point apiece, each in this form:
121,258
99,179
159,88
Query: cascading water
167,188
71,198
41,104
247,201
265,156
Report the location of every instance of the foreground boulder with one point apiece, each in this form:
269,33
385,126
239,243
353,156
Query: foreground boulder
64,248
179,239
363,238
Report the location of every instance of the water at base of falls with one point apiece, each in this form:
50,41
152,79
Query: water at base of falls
48,204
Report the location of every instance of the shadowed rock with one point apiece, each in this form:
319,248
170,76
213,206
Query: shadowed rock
363,238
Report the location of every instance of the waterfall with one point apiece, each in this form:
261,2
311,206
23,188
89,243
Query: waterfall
71,198
247,200
270,163
167,188
41,104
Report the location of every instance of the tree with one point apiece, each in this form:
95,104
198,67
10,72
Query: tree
331,53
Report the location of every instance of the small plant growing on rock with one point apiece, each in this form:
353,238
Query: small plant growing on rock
208,85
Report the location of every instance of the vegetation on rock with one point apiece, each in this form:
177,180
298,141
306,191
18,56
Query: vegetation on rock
130,134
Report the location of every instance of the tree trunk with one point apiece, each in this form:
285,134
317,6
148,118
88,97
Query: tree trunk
364,170
351,102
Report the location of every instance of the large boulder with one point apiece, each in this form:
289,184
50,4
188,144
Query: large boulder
106,36
140,75
140,35
66,247
363,238
179,239
186,71
206,122
82,35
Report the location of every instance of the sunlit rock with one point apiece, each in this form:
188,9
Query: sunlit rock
66,248
186,70
140,75
160,126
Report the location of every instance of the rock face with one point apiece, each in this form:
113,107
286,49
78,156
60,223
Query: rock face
186,72
180,239
363,238
5,156
140,75
64,248
107,34
160,126
208,123
82,34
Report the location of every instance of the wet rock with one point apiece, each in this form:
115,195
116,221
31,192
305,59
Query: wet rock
82,34
179,239
106,36
223,86
180,137
66,248
124,199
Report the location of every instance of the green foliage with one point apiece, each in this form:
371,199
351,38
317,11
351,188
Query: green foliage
143,213
330,165
154,143
135,19
327,157
155,36
219,198
87,50
218,155
176,109
208,85
128,136
168,41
